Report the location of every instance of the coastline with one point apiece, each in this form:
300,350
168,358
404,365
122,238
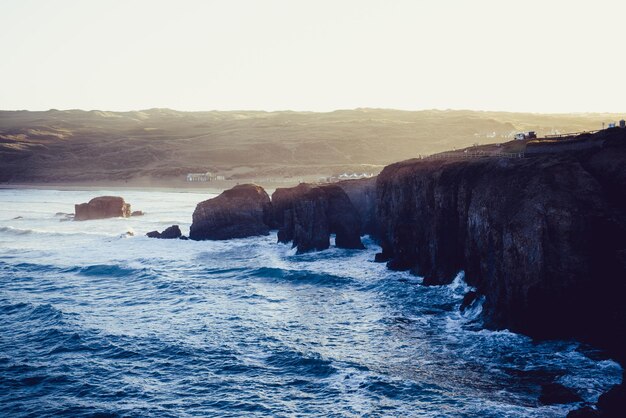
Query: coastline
107,186
170,186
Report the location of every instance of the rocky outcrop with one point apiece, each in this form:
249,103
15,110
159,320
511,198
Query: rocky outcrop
556,393
171,232
541,238
362,194
102,207
137,213
307,215
243,211
611,404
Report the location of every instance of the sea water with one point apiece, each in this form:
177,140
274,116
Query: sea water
96,322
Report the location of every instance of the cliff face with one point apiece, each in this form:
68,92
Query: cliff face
542,238
307,214
362,195
102,207
242,211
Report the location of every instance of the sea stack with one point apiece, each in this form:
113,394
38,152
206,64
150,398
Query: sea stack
243,211
102,207
307,214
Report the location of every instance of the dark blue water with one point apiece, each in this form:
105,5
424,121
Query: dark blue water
94,324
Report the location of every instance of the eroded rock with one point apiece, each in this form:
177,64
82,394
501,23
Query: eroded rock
243,211
102,207
171,232
307,215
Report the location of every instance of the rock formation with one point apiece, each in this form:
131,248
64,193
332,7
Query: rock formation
102,207
171,232
243,211
307,214
362,194
541,238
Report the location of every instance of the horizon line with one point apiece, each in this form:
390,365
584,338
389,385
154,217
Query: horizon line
153,109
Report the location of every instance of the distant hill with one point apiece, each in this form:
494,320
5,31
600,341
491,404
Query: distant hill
162,145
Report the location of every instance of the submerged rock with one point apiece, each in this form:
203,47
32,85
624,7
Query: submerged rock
102,207
171,232
243,211
555,393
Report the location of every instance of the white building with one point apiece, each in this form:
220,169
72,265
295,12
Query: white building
208,176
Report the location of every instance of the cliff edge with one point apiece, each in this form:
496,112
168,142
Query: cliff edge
542,238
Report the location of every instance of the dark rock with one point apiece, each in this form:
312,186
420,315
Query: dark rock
613,403
468,299
171,232
243,211
307,214
184,238
137,213
343,218
283,200
311,229
541,238
102,207
362,195
555,393
381,258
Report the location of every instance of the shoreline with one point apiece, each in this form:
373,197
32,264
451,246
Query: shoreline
215,187
93,187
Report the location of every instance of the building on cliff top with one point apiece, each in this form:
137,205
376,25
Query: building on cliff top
526,135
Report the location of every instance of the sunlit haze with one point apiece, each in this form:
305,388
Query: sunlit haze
537,56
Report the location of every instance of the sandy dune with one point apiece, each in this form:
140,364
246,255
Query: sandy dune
158,147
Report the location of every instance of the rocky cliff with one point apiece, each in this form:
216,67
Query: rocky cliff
102,207
542,238
362,195
242,211
307,215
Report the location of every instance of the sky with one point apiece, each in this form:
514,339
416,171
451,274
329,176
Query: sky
319,55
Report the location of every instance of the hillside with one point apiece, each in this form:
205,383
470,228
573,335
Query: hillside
160,146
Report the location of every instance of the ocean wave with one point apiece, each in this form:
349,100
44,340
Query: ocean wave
10,230
112,270
301,277
293,362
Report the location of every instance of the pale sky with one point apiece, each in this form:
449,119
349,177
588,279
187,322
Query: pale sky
320,55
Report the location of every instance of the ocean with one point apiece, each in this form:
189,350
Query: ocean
98,322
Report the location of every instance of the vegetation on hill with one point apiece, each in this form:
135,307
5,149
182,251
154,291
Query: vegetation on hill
162,144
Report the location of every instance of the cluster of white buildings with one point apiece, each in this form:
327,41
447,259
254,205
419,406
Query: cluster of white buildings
348,176
208,176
